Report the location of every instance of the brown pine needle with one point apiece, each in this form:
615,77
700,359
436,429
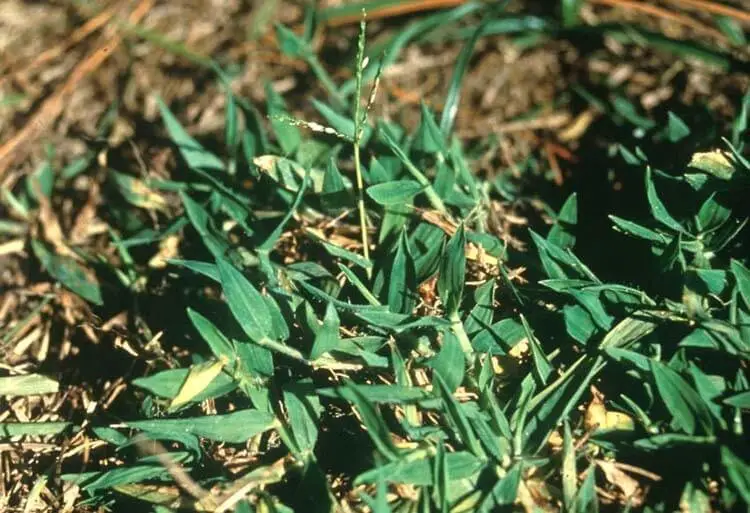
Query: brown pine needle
666,14
75,37
714,8
53,106
400,9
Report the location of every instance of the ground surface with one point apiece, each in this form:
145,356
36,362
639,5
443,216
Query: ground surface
86,161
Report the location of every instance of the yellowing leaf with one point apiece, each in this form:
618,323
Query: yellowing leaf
620,421
199,377
714,163
597,416
596,413
578,127
137,193
167,249
631,490
288,173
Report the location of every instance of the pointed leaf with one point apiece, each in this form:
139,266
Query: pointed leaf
561,234
676,128
69,273
304,415
196,382
401,280
327,337
738,472
219,344
288,135
245,302
658,210
428,137
450,362
195,155
742,277
451,280
396,192
373,421
236,427
688,410
455,413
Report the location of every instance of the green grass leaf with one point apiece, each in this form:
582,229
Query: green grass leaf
553,404
201,221
499,338
27,384
435,200
373,421
738,473
219,344
401,281
69,273
236,427
741,400
391,394
570,10
273,237
450,362
453,98
481,313
688,410
291,44
542,367
428,137
416,469
327,337
396,192
343,253
578,323
504,492
452,275
454,411
639,231
586,500
303,411
742,278
676,128
245,302
335,194
148,469
658,210
195,155
167,384
287,135
561,234
712,214
13,429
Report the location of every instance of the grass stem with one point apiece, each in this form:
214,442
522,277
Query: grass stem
358,130
457,326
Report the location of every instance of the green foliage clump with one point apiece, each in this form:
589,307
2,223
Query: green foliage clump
371,325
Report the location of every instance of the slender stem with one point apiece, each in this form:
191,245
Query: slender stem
358,130
324,361
361,206
457,326
292,353
432,196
